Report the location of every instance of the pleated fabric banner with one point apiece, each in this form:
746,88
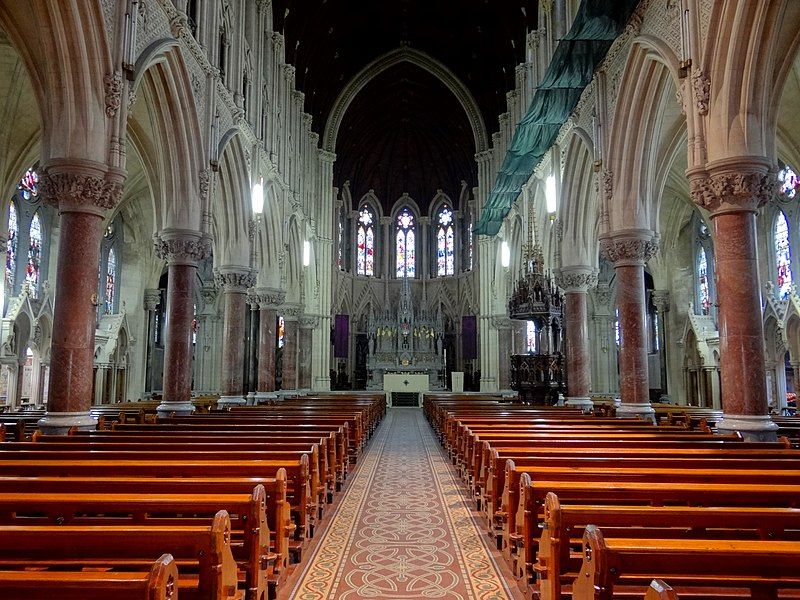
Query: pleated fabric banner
596,26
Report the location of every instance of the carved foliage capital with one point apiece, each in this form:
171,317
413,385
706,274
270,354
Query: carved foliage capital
77,189
732,191
179,247
235,280
152,298
576,280
629,248
267,298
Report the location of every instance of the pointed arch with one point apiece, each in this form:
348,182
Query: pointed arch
231,205
578,209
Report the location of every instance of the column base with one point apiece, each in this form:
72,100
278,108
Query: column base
637,409
230,401
584,403
265,397
180,408
59,423
753,428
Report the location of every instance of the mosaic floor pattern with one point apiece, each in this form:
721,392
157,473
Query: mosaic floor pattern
403,528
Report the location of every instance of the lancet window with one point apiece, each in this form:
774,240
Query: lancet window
783,256
405,244
445,243
703,292
109,272
26,245
365,242
281,331
788,182
11,246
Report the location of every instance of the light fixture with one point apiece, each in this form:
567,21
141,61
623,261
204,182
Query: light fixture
550,196
258,197
505,254
306,253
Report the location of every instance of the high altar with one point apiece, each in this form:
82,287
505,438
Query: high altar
405,342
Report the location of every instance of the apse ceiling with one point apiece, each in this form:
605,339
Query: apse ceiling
405,131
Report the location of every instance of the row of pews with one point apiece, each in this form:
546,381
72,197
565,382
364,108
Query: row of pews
214,506
590,507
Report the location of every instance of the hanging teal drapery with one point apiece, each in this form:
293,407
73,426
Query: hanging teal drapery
596,26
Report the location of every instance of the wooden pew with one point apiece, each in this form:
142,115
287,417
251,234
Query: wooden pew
556,564
247,517
759,568
202,551
658,590
160,583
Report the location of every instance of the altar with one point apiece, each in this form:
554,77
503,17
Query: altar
406,345
402,385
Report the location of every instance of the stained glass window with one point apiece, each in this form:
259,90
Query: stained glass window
789,182
530,337
702,282
783,256
365,259
281,331
470,245
405,244
11,248
29,185
34,255
195,321
111,281
445,243
340,259
617,333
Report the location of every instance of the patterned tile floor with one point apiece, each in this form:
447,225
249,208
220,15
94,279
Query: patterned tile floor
404,528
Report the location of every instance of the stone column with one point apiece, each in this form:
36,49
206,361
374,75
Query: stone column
268,300
629,250
291,332
234,282
307,325
152,298
182,249
661,302
576,283
732,190
503,325
387,250
83,192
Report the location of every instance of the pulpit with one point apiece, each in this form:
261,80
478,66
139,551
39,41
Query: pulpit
538,378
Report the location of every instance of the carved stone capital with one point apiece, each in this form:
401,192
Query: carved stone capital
732,186
182,246
82,186
502,323
113,89
629,247
291,312
660,300
701,90
234,279
576,279
309,322
152,298
268,298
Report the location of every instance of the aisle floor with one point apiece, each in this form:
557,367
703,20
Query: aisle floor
404,528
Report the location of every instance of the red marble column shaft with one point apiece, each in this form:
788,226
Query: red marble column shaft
74,314
577,345
233,336
178,333
744,390
634,384
304,359
504,359
291,330
266,349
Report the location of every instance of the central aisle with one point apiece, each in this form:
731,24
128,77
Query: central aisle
403,528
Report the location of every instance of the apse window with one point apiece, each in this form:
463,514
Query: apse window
445,243
365,250
405,244
783,256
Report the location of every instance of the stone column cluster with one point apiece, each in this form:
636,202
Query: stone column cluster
234,283
182,249
268,302
84,192
291,334
576,283
732,191
629,250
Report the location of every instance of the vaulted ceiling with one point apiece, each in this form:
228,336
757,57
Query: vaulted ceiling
405,131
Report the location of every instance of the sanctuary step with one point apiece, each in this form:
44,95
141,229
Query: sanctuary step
405,399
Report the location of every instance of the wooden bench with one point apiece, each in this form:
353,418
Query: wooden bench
251,547
160,583
753,569
202,551
557,564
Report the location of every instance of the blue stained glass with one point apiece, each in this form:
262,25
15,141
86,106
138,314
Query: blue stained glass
702,282
405,244
32,269
11,248
111,281
365,256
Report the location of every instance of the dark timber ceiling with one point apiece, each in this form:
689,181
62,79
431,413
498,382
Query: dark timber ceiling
405,132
